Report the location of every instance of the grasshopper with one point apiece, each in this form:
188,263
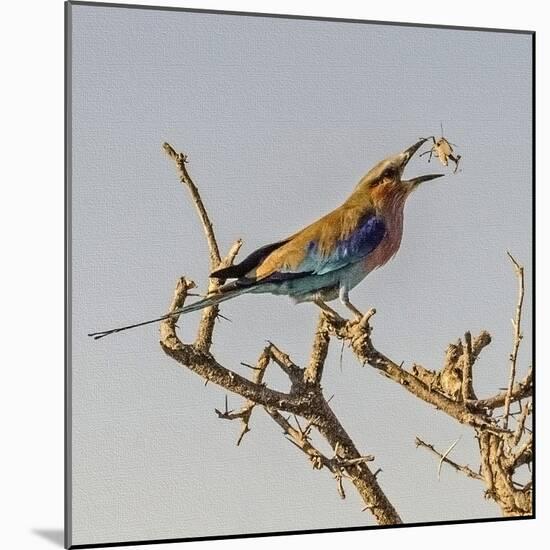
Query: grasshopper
443,150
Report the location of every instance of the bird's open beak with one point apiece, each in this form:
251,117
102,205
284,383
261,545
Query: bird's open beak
407,155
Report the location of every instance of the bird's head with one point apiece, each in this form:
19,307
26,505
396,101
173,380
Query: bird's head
384,181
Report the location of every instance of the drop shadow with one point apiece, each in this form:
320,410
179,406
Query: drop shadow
57,536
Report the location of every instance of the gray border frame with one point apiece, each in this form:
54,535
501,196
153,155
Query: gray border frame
68,279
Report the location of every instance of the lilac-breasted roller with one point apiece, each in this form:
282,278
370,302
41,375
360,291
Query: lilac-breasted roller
328,258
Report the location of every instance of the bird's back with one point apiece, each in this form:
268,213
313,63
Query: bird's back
315,242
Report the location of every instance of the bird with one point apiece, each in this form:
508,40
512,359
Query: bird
328,258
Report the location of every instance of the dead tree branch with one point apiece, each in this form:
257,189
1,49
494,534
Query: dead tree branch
314,370
305,397
451,389
521,390
359,340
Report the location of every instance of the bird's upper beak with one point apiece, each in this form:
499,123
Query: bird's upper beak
407,155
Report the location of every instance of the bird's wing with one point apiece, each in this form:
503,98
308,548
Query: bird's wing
250,262
341,238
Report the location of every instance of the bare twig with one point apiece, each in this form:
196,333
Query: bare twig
300,439
232,254
293,371
521,390
520,428
245,412
522,455
481,341
314,370
208,318
516,322
443,458
467,382
180,160
209,314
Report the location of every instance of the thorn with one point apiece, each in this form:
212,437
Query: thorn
220,316
444,456
293,442
340,487
249,366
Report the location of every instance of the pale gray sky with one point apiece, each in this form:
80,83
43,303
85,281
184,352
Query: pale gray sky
280,118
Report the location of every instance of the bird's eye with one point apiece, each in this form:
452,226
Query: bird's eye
386,176
389,173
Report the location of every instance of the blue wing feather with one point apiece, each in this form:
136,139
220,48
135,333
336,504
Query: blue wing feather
353,248
348,250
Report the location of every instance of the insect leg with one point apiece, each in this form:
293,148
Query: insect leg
455,160
431,152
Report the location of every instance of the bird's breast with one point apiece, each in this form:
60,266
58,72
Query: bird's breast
391,241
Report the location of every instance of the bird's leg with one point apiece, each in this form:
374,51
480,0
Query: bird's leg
326,308
344,298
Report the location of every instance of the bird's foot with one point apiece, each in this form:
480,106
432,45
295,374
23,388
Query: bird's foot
357,313
344,298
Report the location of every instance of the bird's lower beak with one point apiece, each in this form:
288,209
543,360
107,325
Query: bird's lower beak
420,179
407,155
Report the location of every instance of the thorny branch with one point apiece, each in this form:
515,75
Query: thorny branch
502,452
450,390
445,459
516,323
181,160
520,390
305,397
314,370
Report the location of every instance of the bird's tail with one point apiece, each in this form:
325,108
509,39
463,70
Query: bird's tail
230,291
